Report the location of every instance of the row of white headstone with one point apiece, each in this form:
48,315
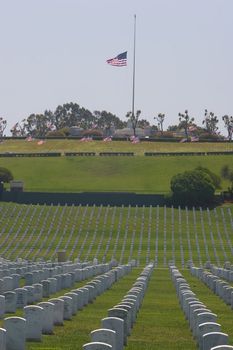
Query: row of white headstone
38,287
218,286
41,318
92,242
126,230
110,236
102,234
58,220
121,318
203,323
82,246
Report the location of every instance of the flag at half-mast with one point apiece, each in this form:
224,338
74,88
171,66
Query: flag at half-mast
118,61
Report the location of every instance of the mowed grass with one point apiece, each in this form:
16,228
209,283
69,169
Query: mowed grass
67,145
161,323
124,174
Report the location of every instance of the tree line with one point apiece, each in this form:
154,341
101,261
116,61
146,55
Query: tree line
58,122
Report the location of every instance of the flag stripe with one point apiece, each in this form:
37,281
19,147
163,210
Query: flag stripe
118,61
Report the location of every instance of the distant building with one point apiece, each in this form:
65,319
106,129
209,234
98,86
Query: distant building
75,131
129,132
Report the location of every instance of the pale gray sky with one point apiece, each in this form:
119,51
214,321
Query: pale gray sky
55,51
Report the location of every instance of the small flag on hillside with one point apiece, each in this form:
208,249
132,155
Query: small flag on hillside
134,139
41,142
118,61
107,139
192,128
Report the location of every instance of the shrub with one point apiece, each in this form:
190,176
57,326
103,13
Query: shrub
192,188
92,132
214,177
5,175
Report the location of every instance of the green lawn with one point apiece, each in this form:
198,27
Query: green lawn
67,145
129,174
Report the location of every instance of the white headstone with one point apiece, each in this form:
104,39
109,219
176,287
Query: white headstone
122,314
38,291
68,307
58,315
117,325
21,297
10,302
48,317
213,339
2,339
104,335
15,333
33,315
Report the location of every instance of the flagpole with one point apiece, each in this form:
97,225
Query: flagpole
134,52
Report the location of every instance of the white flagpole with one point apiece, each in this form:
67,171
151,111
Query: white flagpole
134,52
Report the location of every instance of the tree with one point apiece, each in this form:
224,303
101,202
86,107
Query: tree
134,119
71,114
3,124
5,175
185,121
228,121
143,123
173,128
19,129
192,188
160,118
37,125
106,120
210,121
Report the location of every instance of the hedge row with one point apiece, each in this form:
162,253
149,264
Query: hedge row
130,154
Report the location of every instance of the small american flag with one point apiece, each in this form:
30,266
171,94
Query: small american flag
118,61
194,139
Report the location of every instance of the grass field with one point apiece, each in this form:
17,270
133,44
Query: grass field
126,174
114,146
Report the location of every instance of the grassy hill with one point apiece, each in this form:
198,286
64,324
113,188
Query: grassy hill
130,174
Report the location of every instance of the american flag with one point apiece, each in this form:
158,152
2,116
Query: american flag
118,61
194,139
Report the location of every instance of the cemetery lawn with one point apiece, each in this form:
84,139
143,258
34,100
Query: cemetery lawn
100,174
157,234
160,322
68,145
